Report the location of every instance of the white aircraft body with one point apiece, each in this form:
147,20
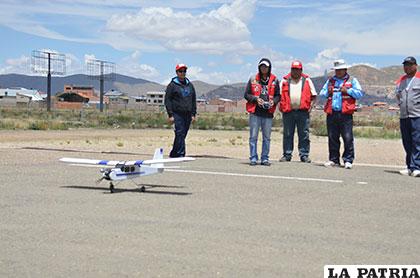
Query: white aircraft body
117,171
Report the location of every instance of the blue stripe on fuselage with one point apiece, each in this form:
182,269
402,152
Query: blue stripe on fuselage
103,162
130,174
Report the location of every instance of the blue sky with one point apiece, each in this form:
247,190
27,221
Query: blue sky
221,41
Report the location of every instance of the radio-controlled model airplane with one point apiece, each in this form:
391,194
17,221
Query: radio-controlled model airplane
116,171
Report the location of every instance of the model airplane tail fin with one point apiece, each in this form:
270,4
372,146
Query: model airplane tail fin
158,155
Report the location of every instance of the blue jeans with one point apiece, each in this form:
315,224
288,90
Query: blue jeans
255,122
182,125
340,124
410,133
291,120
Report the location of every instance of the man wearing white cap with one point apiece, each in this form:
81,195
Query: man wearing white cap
297,98
408,96
341,92
262,94
180,103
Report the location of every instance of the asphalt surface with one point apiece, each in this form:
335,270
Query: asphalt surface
213,217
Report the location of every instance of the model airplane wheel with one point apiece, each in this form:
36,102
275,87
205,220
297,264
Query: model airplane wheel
142,189
111,188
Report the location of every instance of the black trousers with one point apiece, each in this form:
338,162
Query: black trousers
339,124
182,125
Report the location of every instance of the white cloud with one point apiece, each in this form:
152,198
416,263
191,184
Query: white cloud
235,59
20,65
89,57
131,66
218,77
217,31
357,37
323,61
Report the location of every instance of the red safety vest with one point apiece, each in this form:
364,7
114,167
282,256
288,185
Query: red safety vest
256,89
348,103
285,105
404,77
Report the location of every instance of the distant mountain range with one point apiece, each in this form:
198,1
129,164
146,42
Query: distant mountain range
378,84
57,83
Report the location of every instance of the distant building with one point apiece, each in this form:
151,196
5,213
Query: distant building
393,108
17,96
115,96
380,104
87,91
139,99
201,101
117,99
155,98
77,97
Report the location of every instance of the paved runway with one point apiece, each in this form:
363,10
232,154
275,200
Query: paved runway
212,217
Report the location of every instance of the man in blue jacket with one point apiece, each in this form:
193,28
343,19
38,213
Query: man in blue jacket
180,103
341,92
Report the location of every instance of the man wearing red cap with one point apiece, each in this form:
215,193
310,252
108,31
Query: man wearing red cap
180,103
298,95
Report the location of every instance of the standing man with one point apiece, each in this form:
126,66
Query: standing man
298,95
262,94
180,102
408,96
341,92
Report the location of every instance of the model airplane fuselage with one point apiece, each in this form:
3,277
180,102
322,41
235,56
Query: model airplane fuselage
117,171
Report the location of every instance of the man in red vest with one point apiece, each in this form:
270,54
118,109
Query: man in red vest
408,96
341,92
298,95
262,94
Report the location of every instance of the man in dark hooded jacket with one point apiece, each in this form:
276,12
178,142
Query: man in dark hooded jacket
262,94
180,103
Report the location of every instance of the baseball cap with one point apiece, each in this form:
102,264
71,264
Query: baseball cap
180,66
296,65
264,62
410,60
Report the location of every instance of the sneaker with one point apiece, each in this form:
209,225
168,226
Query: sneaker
266,163
331,164
415,173
348,165
285,159
405,172
252,163
305,159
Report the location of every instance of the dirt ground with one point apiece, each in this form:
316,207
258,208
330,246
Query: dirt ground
199,142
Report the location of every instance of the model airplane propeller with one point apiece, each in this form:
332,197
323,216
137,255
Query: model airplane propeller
117,171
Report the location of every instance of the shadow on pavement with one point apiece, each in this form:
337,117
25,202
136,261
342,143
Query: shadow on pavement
133,190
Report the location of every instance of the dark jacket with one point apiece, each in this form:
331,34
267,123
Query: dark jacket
249,96
180,98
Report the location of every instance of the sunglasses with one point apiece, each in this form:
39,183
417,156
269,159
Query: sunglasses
182,71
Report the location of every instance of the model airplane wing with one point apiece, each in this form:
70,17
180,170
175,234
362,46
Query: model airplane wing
158,161
84,161
91,161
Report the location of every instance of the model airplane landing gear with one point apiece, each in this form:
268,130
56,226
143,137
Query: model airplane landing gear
111,187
